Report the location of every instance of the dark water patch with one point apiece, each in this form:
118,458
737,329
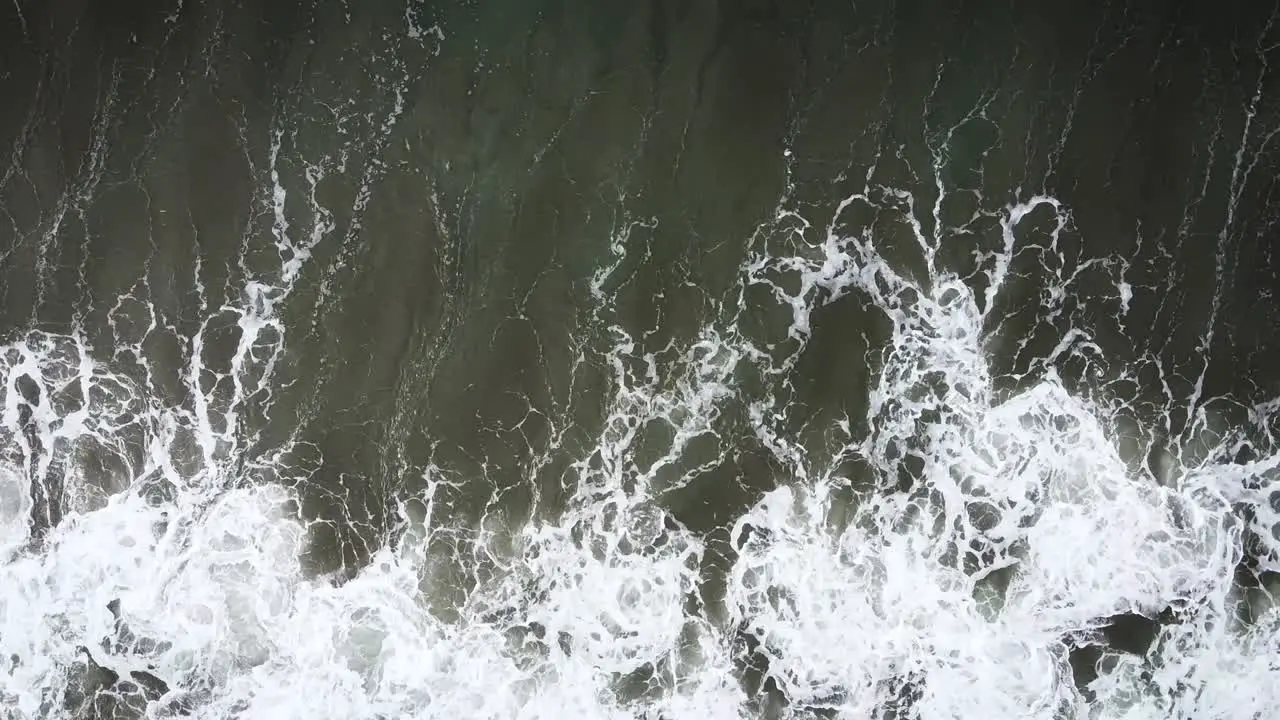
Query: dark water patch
837,365
347,517
1125,633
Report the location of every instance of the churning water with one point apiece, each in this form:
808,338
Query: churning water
656,360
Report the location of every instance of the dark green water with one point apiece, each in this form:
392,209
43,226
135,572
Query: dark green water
445,214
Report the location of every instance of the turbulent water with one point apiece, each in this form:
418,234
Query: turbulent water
662,360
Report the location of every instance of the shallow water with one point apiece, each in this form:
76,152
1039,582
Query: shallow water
644,360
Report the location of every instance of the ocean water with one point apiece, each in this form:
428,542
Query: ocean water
661,360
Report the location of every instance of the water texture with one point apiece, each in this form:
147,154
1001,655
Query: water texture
658,360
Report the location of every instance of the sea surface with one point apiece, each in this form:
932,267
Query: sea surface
644,359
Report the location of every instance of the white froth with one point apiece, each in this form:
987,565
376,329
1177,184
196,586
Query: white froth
15,511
